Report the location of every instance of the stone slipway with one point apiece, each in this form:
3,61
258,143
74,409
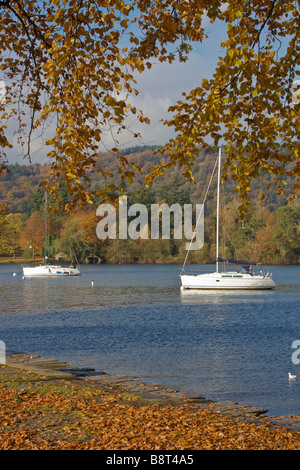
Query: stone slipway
133,386
147,393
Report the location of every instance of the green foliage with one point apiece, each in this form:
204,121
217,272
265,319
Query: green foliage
36,203
286,236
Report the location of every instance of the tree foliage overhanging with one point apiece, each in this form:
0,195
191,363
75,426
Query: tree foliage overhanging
72,65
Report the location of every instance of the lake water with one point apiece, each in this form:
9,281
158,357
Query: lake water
135,321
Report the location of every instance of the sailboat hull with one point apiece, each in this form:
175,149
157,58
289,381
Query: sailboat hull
50,270
226,281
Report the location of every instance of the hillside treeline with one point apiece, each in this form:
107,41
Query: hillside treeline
269,233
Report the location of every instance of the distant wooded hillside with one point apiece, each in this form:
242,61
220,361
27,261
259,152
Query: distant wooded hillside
18,187
269,233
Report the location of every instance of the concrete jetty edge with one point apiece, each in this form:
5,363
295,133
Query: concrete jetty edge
147,392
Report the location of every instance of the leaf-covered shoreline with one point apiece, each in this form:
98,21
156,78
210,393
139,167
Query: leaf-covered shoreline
50,413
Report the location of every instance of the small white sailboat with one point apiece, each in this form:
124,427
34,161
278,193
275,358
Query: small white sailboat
244,277
49,270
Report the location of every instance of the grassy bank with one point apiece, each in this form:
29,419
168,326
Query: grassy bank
11,260
43,412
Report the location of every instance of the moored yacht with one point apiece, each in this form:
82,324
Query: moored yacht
243,278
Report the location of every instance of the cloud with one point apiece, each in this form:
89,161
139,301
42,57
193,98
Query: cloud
159,88
162,86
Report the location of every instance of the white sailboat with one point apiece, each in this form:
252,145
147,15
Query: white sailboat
49,270
244,277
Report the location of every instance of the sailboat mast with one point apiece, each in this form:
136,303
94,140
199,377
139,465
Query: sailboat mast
218,211
45,241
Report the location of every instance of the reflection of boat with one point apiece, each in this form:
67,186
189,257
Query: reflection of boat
223,296
243,278
48,269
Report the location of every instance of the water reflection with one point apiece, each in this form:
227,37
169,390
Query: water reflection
223,296
39,295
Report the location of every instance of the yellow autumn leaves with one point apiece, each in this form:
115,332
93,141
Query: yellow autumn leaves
247,105
40,413
72,68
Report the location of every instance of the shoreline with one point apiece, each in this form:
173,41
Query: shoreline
146,392
45,404
37,261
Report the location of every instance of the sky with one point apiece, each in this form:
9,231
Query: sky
162,86
159,88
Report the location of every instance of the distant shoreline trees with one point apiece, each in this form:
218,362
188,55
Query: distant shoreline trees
268,233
